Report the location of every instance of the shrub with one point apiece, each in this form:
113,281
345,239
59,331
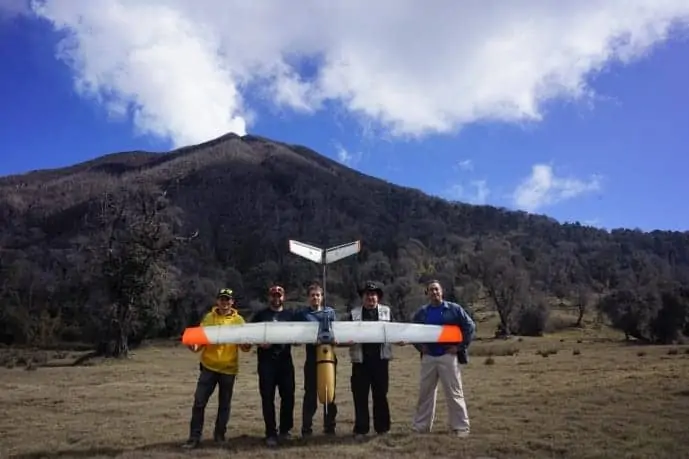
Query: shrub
531,320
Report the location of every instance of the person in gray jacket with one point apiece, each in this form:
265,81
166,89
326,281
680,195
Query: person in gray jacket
370,365
440,363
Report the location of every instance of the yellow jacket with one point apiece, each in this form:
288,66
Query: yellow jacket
223,358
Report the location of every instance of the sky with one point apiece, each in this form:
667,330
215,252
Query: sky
574,109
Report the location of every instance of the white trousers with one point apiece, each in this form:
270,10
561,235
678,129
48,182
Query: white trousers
445,369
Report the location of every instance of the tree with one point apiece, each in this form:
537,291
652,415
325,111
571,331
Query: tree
397,293
139,233
630,311
505,281
581,301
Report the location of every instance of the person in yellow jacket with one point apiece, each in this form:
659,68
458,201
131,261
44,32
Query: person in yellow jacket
219,365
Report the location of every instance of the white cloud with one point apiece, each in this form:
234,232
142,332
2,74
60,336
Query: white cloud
184,68
465,165
476,193
543,188
346,157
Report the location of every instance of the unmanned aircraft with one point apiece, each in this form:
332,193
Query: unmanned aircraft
323,333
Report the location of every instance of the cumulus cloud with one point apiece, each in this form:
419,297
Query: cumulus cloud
543,188
186,70
346,157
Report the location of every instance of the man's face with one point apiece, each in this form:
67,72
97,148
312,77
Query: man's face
277,297
370,299
435,292
225,304
315,298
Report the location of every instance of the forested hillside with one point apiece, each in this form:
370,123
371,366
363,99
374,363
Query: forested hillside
134,245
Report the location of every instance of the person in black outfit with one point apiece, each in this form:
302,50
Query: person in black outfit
276,371
370,366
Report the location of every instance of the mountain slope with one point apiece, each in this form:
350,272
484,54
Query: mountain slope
246,196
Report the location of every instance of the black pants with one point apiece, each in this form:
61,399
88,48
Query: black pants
277,374
371,375
310,404
205,386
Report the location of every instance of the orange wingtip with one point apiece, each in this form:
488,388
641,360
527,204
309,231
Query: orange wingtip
450,334
195,335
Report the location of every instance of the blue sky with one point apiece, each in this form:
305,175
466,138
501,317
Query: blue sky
616,159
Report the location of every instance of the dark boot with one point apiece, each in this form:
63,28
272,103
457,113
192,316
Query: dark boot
192,443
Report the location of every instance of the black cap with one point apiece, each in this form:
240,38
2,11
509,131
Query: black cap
371,286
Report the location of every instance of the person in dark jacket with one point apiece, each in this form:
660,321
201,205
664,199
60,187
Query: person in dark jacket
276,371
313,312
440,363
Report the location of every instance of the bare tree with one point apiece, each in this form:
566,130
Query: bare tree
398,293
505,281
139,228
582,300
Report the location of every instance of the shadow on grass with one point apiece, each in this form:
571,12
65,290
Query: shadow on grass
233,444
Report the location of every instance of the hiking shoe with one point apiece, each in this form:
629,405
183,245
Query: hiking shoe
271,442
306,433
191,443
219,438
285,436
460,433
328,431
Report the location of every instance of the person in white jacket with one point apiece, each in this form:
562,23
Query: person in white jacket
370,366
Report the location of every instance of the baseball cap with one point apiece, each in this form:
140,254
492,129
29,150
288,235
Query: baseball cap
226,292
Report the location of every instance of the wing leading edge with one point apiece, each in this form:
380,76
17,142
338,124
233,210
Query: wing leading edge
307,333
256,333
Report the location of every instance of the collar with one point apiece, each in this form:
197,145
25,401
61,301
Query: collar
216,311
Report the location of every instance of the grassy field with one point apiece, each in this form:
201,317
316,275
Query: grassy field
566,395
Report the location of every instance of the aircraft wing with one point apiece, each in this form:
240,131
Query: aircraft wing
253,333
395,332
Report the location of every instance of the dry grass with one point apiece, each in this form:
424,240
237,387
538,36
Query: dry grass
562,396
